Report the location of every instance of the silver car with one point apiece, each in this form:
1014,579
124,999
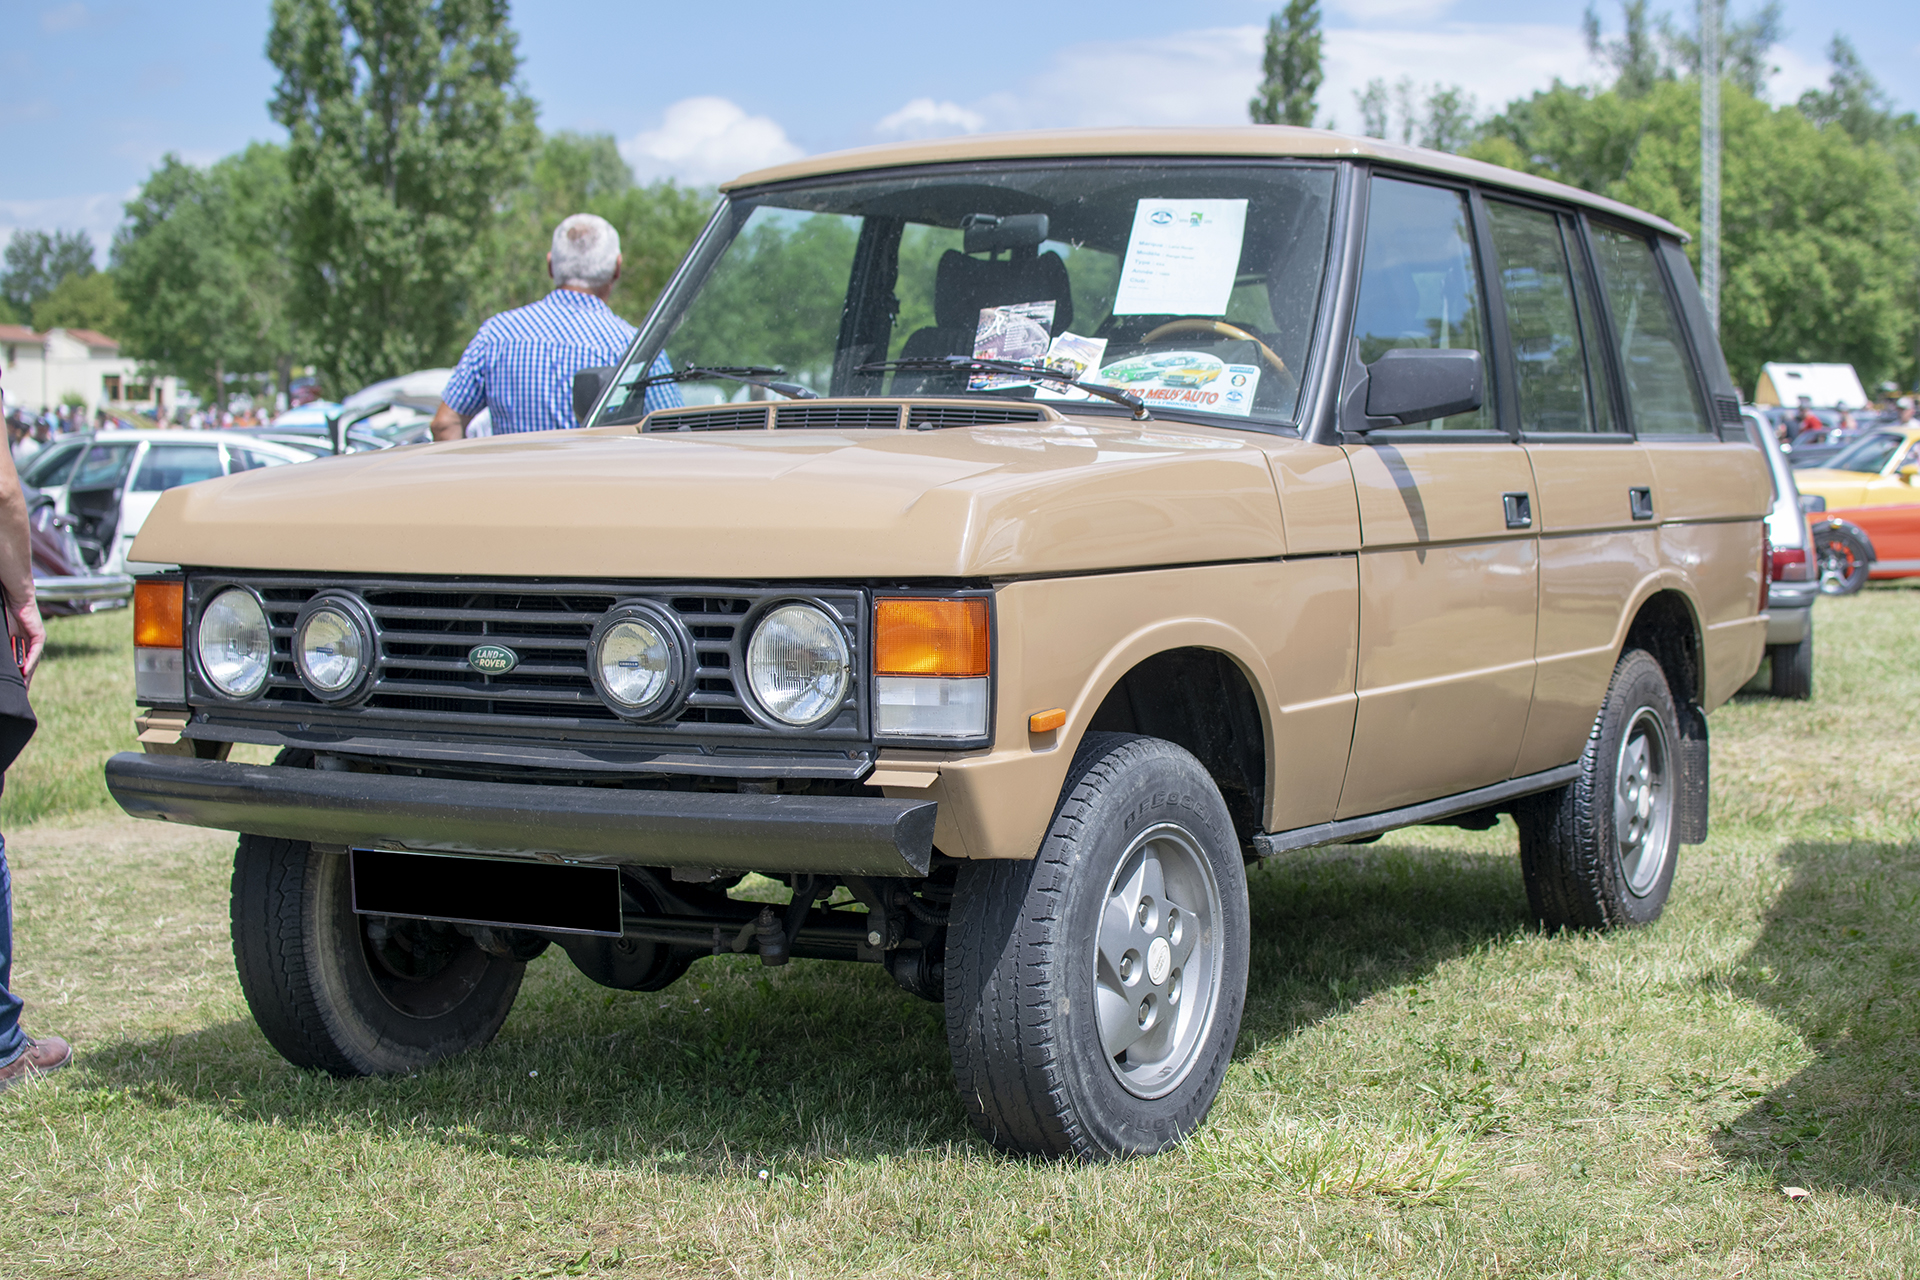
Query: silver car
1796,578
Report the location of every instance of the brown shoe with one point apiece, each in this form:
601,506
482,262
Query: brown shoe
47,1054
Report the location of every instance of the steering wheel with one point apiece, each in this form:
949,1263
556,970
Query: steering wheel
1225,330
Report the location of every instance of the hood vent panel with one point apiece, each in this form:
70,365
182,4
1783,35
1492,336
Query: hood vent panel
854,414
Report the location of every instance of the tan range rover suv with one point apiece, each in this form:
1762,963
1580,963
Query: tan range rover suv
1053,525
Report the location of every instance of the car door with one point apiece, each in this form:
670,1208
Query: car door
1448,574
164,466
1710,495
1596,512
93,494
1890,510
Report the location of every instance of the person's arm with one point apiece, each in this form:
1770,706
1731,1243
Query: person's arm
16,566
449,423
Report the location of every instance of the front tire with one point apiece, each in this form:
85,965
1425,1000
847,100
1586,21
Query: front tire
1094,993
349,994
1599,853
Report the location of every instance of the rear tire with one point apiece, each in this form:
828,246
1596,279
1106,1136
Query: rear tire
1844,560
1094,993
1599,853
355,995
1793,667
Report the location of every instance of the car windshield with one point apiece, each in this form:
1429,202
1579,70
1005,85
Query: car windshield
51,465
1194,286
1870,455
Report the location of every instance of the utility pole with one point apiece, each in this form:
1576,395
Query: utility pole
1710,158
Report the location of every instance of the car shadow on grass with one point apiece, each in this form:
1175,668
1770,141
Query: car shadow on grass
1839,961
1333,926
740,1067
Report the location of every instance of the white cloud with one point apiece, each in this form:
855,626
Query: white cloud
1207,77
64,17
707,140
98,215
1797,74
925,118
1393,10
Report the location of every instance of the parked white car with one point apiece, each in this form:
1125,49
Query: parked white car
109,481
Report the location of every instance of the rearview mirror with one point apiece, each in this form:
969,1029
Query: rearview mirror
988,233
1418,384
587,386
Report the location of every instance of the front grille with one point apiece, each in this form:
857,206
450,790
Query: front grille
425,629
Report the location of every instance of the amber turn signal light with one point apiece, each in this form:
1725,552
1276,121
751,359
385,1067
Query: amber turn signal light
159,610
1046,721
930,637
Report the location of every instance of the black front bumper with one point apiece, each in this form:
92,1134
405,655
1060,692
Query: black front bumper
851,835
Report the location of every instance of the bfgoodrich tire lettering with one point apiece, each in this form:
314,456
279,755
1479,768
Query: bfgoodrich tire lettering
1042,955
1599,853
348,994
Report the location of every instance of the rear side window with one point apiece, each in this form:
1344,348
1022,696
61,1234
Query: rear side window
168,466
1419,284
243,459
1550,359
1663,396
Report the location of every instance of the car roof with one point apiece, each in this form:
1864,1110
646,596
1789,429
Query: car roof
176,437
1264,141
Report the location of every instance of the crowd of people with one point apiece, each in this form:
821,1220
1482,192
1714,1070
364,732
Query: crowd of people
1805,425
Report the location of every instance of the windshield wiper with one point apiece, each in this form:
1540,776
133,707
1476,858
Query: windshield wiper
1038,372
754,375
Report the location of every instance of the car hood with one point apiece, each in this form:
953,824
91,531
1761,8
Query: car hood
611,502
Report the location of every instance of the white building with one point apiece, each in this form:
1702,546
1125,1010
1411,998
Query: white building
43,370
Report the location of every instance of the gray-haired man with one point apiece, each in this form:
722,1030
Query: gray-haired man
521,363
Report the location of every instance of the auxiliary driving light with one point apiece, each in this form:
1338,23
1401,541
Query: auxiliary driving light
331,647
640,655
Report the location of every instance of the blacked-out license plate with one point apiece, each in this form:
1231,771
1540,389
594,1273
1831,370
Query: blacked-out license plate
489,891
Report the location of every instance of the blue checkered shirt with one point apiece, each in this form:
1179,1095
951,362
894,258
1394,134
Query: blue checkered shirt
521,363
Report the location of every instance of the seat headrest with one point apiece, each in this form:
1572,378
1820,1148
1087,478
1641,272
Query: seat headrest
963,286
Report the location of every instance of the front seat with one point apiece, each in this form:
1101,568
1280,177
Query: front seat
962,287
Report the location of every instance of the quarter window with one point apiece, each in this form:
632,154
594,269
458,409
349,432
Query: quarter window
1662,395
1419,283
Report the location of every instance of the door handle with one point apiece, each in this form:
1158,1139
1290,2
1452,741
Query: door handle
1519,510
1640,503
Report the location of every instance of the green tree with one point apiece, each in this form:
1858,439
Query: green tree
1745,46
1291,67
1820,236
1634,54
37,262
406,132
252,194
176,268
87,301
577,173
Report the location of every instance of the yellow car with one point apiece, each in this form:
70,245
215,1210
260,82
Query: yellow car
1875,484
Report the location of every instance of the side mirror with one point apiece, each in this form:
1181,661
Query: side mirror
588,384
1418,384
1911,474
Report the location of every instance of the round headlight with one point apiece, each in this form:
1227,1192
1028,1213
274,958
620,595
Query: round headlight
639,655
330,649
798,665
234,643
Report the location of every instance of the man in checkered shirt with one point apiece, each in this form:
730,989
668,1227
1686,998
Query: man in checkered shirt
521,363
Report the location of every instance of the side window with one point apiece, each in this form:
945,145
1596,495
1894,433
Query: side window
1536,282
1419,284
50,466
103,466
168,466
1662,394
240,459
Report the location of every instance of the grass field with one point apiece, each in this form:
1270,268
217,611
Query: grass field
1425,1086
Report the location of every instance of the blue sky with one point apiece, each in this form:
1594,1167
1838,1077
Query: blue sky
96,91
